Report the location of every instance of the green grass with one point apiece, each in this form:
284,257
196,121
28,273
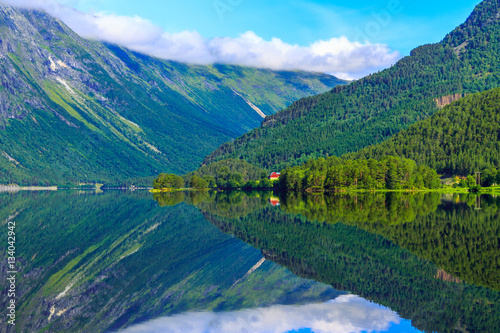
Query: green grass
54,96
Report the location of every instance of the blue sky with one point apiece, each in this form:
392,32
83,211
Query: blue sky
296,21
349,39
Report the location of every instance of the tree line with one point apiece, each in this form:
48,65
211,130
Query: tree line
334,174
225,174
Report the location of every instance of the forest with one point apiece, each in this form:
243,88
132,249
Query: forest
335,174
460,139
330,174
225,174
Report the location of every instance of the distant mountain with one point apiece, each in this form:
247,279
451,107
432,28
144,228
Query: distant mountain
376,107
460,139
78,110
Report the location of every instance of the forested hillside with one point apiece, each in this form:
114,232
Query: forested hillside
333,174
74,110
376,107
460,139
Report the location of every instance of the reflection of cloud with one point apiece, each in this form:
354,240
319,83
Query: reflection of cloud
344,314
338,56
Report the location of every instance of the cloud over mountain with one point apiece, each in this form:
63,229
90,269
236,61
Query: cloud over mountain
338,56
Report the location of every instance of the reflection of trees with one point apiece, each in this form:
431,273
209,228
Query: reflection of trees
462,240
174,198
349,258
235,203
224,204
390,208
169,198
457,236
449,230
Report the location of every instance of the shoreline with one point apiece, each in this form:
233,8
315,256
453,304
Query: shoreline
16,188
446,190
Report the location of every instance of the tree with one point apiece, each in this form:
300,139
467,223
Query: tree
210,181
419,181
265,183
236,179
232,183
470,182
251,184
198,182
168,181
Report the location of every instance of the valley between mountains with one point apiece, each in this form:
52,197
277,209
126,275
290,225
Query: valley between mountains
79,111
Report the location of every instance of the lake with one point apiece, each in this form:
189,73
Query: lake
252,262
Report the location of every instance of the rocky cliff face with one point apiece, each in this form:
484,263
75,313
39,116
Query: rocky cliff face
441,102
98,111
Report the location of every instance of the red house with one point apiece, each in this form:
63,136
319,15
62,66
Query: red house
274,201
274,176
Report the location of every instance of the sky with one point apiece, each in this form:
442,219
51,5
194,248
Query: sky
349,39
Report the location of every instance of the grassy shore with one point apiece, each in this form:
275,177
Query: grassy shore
446,189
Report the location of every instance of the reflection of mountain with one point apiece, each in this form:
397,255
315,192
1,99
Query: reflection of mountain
371,265
91,263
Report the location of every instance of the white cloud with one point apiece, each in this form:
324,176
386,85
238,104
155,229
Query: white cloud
344,314
338,56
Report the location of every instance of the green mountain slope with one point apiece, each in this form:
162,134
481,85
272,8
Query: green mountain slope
374,108
78,110
460,139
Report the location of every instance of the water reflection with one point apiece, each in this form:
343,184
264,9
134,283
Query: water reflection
102,262
95,263
459,233
434,259
344,314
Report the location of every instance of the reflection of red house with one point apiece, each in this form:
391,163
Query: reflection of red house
274,176
274,201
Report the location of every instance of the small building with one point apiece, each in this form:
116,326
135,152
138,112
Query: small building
274,176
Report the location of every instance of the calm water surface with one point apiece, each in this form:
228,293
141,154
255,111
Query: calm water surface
253,262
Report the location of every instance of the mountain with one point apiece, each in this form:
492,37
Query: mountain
78,110
374,108
460,139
